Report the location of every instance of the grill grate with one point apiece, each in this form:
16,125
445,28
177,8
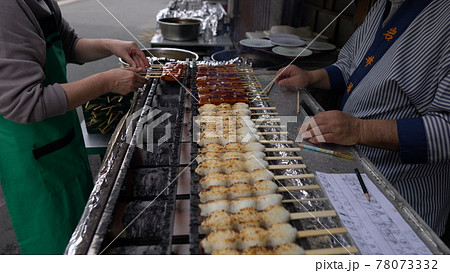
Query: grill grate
141,195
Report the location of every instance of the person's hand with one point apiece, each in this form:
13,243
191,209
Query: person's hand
332,126
124,80
292,75
129,52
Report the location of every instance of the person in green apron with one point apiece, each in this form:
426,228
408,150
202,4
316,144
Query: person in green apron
44,171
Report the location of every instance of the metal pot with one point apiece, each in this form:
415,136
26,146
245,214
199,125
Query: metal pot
166,54
179,29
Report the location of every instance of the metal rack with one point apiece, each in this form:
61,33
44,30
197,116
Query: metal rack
133,205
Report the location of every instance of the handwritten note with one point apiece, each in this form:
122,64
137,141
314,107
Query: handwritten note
376,226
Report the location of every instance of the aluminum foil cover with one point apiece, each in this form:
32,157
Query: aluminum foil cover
81,238
210,14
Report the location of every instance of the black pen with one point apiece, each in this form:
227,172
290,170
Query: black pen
363,186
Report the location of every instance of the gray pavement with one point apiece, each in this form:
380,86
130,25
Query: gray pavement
91,20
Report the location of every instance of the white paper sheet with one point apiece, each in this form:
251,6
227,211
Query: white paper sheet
375,226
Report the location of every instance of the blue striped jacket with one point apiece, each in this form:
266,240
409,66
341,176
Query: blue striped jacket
409,84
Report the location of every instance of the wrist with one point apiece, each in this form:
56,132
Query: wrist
104,84
105,45
309,78
361,131
313,77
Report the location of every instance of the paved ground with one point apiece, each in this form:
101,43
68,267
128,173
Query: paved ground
91,20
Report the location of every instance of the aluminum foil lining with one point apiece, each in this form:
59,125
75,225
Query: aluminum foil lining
81,238
210,14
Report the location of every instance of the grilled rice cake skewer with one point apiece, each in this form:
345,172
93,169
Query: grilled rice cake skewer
234,177
250,236
219,219
233,206
241,189
282,249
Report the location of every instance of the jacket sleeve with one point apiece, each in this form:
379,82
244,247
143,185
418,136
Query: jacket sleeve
426,139
23,98
69,37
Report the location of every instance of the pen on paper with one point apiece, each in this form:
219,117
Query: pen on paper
363,186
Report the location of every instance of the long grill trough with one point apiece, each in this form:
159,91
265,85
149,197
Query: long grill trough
148,177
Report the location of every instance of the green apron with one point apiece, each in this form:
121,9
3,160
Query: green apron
44,170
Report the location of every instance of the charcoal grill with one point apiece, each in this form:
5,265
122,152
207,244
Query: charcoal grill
138,192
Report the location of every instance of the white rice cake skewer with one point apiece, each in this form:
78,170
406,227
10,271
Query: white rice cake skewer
225,138
220,239
234,147
237,190
230,165
219,178
245,217
252,236
282,249
213,107
227,112
277,234
233,206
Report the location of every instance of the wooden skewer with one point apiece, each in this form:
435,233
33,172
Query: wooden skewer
298,188
266,119
276,142
262,108
253,98
270,88
271,133
298,101
256,91
267,113
270,126
332,251
258,96
313,214
320,232
268,158
295,176
282,150
303,200
285,167
295,188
